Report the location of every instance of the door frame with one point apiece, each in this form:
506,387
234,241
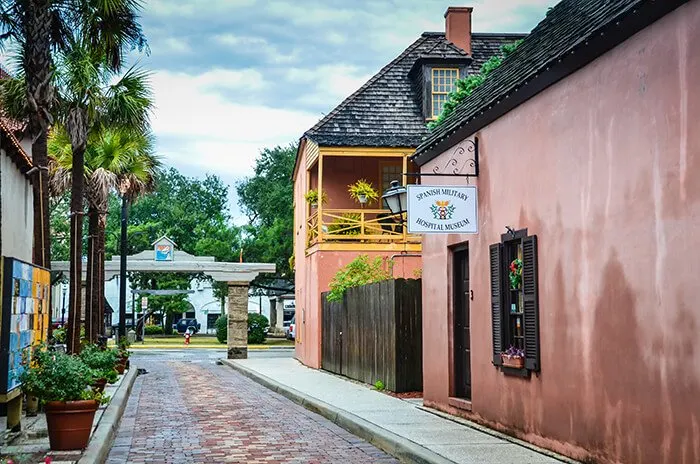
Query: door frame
454,400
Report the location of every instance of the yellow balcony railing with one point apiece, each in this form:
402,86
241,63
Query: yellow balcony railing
366,225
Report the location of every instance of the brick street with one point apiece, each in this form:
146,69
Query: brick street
186,409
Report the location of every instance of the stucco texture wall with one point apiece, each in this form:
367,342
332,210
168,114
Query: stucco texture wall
16,210
603,168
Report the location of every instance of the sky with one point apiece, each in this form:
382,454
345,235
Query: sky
231,77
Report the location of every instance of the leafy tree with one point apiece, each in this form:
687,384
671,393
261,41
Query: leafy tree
360,271
267,200
194,214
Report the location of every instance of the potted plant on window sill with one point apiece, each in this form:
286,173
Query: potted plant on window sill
311,198
61,382
515,274
363,192
513,358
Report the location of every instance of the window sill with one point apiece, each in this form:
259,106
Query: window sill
460,403
512,372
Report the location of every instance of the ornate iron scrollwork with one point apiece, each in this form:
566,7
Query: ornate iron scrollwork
463,162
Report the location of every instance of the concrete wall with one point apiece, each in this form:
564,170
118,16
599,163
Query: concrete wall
17,211
603,168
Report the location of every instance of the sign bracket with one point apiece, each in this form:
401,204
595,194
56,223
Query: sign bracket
463,157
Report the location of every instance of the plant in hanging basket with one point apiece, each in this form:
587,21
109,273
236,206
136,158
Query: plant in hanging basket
62,382
363,192
311,197
513,357
515,274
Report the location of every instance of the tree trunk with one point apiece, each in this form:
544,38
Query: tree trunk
37,69
100,249
76,252
76,125
91,276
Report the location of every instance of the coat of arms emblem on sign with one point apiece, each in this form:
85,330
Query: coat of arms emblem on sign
442,210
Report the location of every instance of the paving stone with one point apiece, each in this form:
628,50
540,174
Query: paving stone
203,413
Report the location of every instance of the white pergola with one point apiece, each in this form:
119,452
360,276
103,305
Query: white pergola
165,257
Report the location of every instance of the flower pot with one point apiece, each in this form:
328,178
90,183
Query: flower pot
314,205
514,362
362,199
99,385
121,365
70,423
32,405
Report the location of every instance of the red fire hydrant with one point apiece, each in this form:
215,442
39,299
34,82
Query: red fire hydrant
187,338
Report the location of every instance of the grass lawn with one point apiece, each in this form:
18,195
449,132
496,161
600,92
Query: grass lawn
208,341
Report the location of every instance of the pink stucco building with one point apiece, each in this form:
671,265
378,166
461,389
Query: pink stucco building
589,151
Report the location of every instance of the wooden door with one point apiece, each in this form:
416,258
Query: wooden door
462,339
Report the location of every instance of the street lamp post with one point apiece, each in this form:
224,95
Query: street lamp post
122,270
63,309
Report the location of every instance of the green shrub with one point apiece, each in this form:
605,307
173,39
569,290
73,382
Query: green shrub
257,323
101,361
56,376
153,330
379,385
222,329
59,335
361,271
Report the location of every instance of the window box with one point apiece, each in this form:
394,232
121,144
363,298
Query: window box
514,362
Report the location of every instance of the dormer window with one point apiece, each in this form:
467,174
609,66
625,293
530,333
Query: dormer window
443,82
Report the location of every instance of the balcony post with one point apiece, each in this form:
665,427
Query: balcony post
319,237
404,170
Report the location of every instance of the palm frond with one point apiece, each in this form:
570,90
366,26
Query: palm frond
13,98
129,102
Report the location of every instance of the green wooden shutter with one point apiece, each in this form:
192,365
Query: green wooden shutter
531,304
496,251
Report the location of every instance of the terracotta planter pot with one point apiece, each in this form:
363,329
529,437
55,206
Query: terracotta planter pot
515,363
70,423
121,365
99,385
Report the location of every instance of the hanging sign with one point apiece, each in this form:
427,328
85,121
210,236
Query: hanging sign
442,209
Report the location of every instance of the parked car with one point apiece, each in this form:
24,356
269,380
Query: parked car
183,324
290,331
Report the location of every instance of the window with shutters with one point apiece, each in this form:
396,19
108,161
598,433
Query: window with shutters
514,300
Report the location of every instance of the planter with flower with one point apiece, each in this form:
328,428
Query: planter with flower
62,383
363,192
515,274
123,354
103,362
311,198
514,358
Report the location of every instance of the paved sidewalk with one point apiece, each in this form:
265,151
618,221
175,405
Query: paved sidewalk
419,430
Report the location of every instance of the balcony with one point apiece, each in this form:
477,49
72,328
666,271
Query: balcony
358,225
340,222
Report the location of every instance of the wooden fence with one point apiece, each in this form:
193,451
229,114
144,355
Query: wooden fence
375,334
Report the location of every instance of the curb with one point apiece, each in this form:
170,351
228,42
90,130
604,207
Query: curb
101,440
208,347
395,445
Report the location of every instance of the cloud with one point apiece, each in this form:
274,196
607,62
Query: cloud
196,127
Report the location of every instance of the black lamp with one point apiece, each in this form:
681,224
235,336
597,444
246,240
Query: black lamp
395,198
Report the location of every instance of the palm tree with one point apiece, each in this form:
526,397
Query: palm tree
86,103
115,159
40,27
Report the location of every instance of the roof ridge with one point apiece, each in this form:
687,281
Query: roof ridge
482,98
364,86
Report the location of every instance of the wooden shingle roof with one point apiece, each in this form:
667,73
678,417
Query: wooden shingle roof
384,112
574,33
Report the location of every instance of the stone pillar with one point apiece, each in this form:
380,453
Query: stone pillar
237,336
